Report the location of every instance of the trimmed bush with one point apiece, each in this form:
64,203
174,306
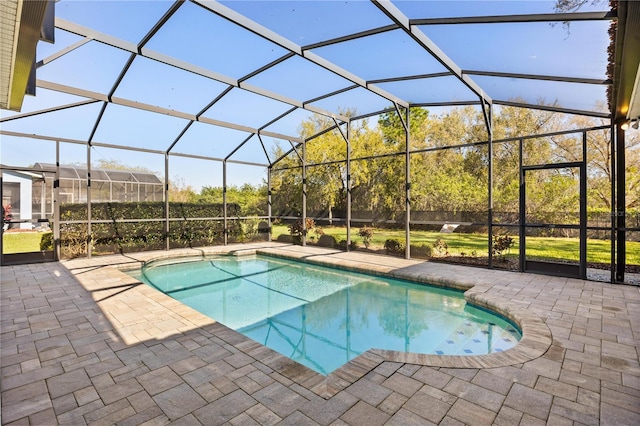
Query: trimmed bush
422,251
46,242
441,247
367,234
194,230
393,246
326,240
284,238
501,243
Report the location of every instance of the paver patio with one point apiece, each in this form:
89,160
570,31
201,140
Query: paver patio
84,343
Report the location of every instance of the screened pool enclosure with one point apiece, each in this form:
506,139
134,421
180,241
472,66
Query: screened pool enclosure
499,134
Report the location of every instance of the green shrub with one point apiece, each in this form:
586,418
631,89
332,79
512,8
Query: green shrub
195,229
423,251
284,238
46,242
263,230
393,246
297,231
326,240
500,244
73,240
367,234
441,246
342,245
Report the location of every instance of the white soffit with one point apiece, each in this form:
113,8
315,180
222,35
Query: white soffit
21,23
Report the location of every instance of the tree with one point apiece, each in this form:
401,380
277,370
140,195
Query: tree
393,131
449,165
575,5
251,199
286,184
600,151
180,192
327,184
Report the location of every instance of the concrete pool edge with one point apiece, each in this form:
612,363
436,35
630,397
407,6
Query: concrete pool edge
535,341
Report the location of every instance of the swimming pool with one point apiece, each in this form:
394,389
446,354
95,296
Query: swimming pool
323,317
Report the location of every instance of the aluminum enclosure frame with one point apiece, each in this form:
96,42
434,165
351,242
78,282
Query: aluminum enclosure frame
399,21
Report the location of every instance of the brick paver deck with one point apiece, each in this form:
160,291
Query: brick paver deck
84,343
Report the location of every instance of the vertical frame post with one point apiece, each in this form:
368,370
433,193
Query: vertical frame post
89,232
523,212
489,123
43,198
56,207
269,221
407,179
2,220
613,203
583,209
167,223
224,202
620,205
348,183
304,193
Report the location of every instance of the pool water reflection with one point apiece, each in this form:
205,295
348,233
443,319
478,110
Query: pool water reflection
323,317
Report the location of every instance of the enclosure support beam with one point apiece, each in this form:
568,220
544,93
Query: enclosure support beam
612,135
167,242
348,184
419,37
43,199
247,24
583,209
144,52
89,233
345,136
486,112
620,205
56,206
264,149
407,135
304,193
504,19
1,224
521,215
107,99
269,222
224,202
407,179
489,121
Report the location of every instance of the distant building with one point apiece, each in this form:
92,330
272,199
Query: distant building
17,186
106,186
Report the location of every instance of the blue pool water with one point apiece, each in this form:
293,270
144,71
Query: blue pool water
323,317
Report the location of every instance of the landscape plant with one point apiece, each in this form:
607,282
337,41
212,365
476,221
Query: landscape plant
542,248
7,216
367,234
501,244
393,246
297,231
441,247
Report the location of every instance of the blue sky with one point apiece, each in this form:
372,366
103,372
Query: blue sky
212,44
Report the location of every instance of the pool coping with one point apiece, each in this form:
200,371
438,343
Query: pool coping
536,335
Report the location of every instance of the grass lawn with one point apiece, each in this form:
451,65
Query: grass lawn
598,251
22,242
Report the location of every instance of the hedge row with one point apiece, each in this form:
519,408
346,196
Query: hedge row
146,210
130,237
